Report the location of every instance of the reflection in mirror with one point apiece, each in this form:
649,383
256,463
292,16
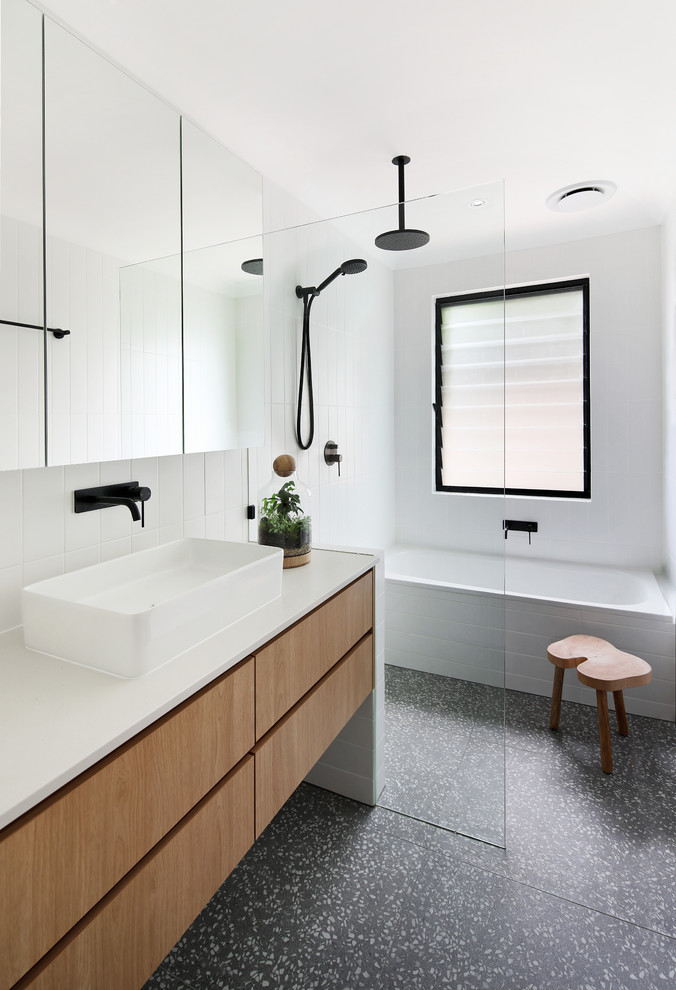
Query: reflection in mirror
21,284
112,178
223,348
150,357
223,339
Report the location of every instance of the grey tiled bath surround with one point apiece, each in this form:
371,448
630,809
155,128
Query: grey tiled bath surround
339,895
502,640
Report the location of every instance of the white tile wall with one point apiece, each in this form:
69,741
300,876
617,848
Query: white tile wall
353,371
41,536
622,524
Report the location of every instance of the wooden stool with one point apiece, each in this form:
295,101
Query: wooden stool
600,666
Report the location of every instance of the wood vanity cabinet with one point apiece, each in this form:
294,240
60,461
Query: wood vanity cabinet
101,879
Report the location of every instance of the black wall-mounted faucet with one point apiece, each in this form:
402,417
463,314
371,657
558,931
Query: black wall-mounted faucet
106,496
520,526
331,455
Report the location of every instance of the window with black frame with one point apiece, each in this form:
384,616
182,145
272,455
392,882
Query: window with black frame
512,391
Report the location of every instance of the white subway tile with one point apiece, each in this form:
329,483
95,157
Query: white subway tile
214,482
193,486
144,539
75,559
115,548
10,518
168,534
43,513
236,525
194,528
11,582
40,570
170,490
214,526
82,529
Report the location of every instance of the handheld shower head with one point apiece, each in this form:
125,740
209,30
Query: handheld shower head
351,267
307,293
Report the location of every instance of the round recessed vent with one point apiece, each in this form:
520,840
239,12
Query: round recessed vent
581,196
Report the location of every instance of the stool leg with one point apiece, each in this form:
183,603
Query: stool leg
556,697
622,724
604,731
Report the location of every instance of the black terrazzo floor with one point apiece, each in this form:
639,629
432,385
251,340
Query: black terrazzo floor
445,752
338,895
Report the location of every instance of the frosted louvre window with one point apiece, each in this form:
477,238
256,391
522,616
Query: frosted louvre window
512,391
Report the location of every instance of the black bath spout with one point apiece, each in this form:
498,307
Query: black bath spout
128,493
520,526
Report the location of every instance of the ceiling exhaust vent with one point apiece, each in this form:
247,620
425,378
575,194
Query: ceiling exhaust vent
581,196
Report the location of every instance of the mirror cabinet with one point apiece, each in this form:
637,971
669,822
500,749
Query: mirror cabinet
123,228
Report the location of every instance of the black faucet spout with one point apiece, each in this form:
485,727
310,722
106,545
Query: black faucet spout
130,493
101,502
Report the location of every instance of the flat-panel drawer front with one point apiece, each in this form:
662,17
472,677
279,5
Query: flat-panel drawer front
121,943
293,746
290,665
58,860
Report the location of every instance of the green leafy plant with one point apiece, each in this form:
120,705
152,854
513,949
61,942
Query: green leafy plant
282,522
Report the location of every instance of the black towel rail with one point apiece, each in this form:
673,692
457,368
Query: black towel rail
57,331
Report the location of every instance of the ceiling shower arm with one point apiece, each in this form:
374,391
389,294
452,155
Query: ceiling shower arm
401,161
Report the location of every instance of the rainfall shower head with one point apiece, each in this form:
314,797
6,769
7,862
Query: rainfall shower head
403,239
351,267
254,266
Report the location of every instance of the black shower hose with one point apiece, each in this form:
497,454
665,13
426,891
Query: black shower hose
305,366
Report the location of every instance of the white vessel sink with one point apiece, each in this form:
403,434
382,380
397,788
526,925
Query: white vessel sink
130,615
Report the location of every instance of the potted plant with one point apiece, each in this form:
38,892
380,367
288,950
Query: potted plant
283,517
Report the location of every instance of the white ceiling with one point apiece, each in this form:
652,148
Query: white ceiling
320,96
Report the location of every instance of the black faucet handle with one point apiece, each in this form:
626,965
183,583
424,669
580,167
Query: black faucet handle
140,493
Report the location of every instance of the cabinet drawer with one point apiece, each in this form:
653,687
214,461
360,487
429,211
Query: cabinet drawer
58,860
120,944
289,666
293,746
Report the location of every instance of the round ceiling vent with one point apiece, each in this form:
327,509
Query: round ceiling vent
581,196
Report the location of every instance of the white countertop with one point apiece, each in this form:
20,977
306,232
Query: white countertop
57,718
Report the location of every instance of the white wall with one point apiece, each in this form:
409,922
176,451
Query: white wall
353,371
622,524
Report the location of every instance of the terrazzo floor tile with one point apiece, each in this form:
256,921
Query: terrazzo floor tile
339,895
308,906
607,841
444,752
469,929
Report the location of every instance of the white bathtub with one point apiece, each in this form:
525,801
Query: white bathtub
542,580
490,618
